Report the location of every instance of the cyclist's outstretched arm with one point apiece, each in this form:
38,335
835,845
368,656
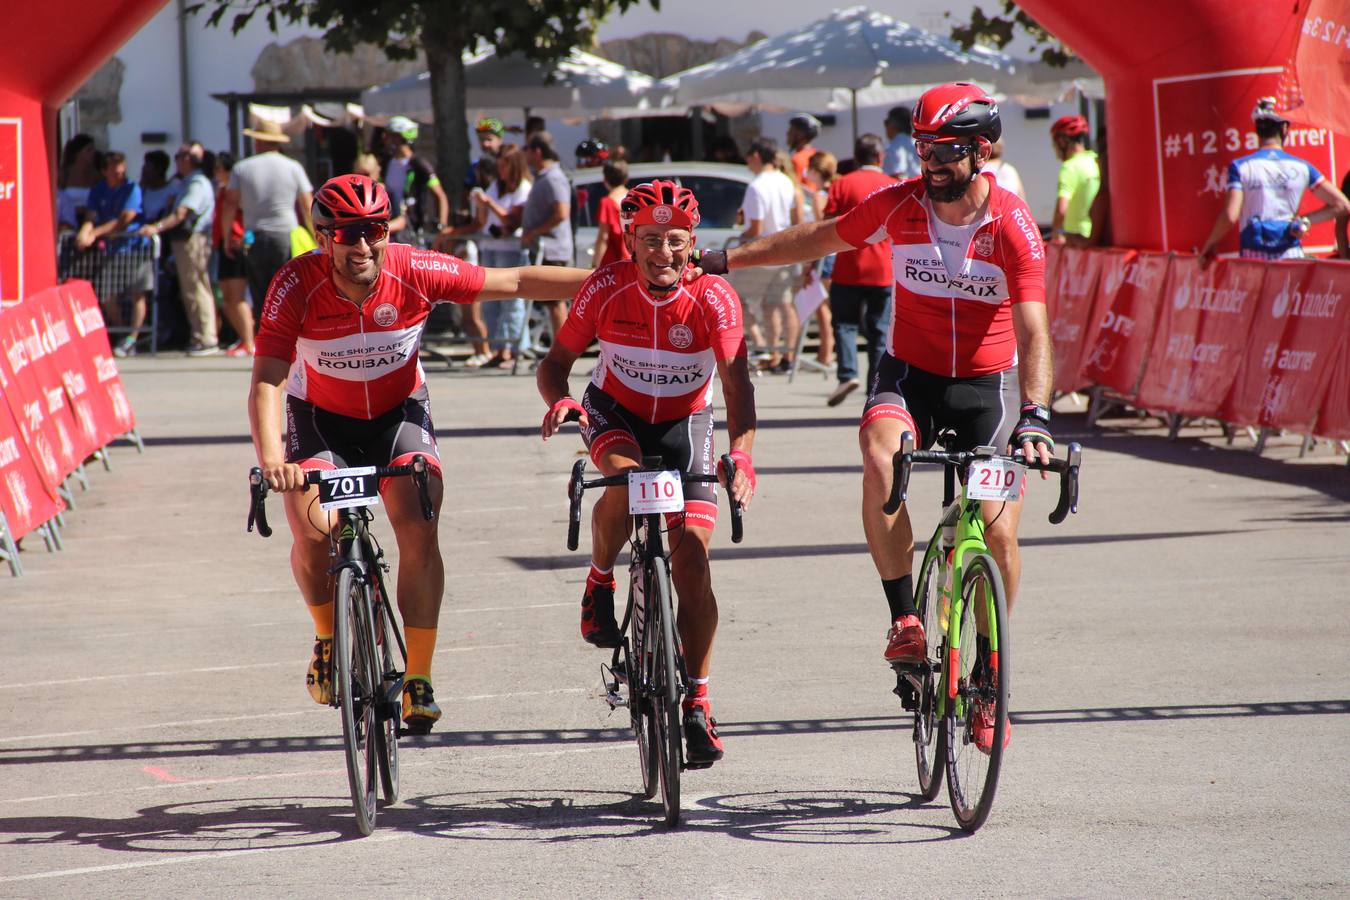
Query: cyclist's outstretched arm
532,283
551,378
799,243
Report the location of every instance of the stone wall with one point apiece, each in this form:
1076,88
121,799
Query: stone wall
660,55
306,63
99,104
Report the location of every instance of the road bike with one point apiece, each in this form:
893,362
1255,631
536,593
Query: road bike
964,679
369,656
649,661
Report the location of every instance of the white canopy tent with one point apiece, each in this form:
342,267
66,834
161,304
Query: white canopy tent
852,57
583,85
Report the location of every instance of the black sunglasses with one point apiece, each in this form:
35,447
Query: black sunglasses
944,153
373,232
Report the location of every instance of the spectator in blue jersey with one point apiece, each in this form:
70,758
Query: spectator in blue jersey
114,210
1265,190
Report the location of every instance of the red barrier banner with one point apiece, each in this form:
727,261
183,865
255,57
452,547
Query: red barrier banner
76,370
1333,421
44,419
111,405
43,320
1075,296
23,494
1293,340
1128,295
1201,335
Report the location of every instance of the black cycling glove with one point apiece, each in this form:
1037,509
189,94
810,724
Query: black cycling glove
712,262
1033,427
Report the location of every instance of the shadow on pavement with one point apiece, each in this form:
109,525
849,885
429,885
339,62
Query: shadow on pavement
569,561
161,750
228,826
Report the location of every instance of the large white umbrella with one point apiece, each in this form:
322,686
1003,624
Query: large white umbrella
853,55
582,84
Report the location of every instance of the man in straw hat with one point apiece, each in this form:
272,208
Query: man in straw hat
275,195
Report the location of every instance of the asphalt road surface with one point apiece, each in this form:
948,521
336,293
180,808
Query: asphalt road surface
1181,692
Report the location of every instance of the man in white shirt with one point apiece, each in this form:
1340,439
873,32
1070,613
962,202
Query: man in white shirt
768,208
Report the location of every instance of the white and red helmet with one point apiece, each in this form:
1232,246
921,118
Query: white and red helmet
956,112
659,203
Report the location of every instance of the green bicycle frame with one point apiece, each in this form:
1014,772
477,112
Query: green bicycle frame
966,520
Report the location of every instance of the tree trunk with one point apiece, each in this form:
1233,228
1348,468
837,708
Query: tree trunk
445,63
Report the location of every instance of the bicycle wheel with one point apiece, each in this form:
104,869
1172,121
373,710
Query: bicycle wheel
930,739
353,680
391,669
668,732
639,708
982,692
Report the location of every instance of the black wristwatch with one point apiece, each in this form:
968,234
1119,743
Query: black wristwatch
1036,411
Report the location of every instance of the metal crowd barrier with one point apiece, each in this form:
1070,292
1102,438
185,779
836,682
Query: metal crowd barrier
115,265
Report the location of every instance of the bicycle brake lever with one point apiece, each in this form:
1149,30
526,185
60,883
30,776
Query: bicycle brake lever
257,509
1068,485
737,524
574,492
419,464
901,465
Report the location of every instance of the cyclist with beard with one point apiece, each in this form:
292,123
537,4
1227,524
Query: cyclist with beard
337,352
969,327
661,341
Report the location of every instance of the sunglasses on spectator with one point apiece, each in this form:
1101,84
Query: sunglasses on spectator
372,232
943,153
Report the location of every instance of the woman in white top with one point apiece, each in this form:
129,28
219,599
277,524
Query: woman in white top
1003,171
497,211
821,170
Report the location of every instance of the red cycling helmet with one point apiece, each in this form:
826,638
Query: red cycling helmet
956,112
658,203
1069,126
349,198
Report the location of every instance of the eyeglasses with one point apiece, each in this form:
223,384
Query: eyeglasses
943,153
676,244
372,232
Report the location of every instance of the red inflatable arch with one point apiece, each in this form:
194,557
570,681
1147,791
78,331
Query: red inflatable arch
1181,80
54,47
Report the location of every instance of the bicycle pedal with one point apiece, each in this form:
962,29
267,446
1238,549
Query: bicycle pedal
698,765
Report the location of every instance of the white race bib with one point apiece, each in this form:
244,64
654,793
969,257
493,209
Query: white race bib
655,492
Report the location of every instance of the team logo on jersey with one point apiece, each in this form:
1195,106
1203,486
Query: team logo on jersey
662,215
984,244
680,336
385,314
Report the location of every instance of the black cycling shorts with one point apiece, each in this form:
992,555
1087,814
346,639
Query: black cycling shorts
683,444
982,410
318,439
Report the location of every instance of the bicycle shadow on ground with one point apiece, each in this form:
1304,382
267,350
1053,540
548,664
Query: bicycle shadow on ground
215,826
814,817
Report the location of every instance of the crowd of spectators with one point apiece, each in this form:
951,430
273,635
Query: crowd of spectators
161,239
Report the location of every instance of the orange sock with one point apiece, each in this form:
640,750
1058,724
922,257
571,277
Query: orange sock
323,619
421,644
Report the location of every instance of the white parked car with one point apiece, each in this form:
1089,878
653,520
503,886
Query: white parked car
719,187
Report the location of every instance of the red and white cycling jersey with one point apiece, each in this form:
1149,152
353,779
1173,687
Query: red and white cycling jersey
956,325
359,360
657,357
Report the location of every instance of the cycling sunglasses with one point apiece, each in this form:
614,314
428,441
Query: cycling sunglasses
944,153
373,232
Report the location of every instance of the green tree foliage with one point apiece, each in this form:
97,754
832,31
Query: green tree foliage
542,30
999,29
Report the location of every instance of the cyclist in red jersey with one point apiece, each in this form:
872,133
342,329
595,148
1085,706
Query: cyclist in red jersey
662,338
338,339
970,340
